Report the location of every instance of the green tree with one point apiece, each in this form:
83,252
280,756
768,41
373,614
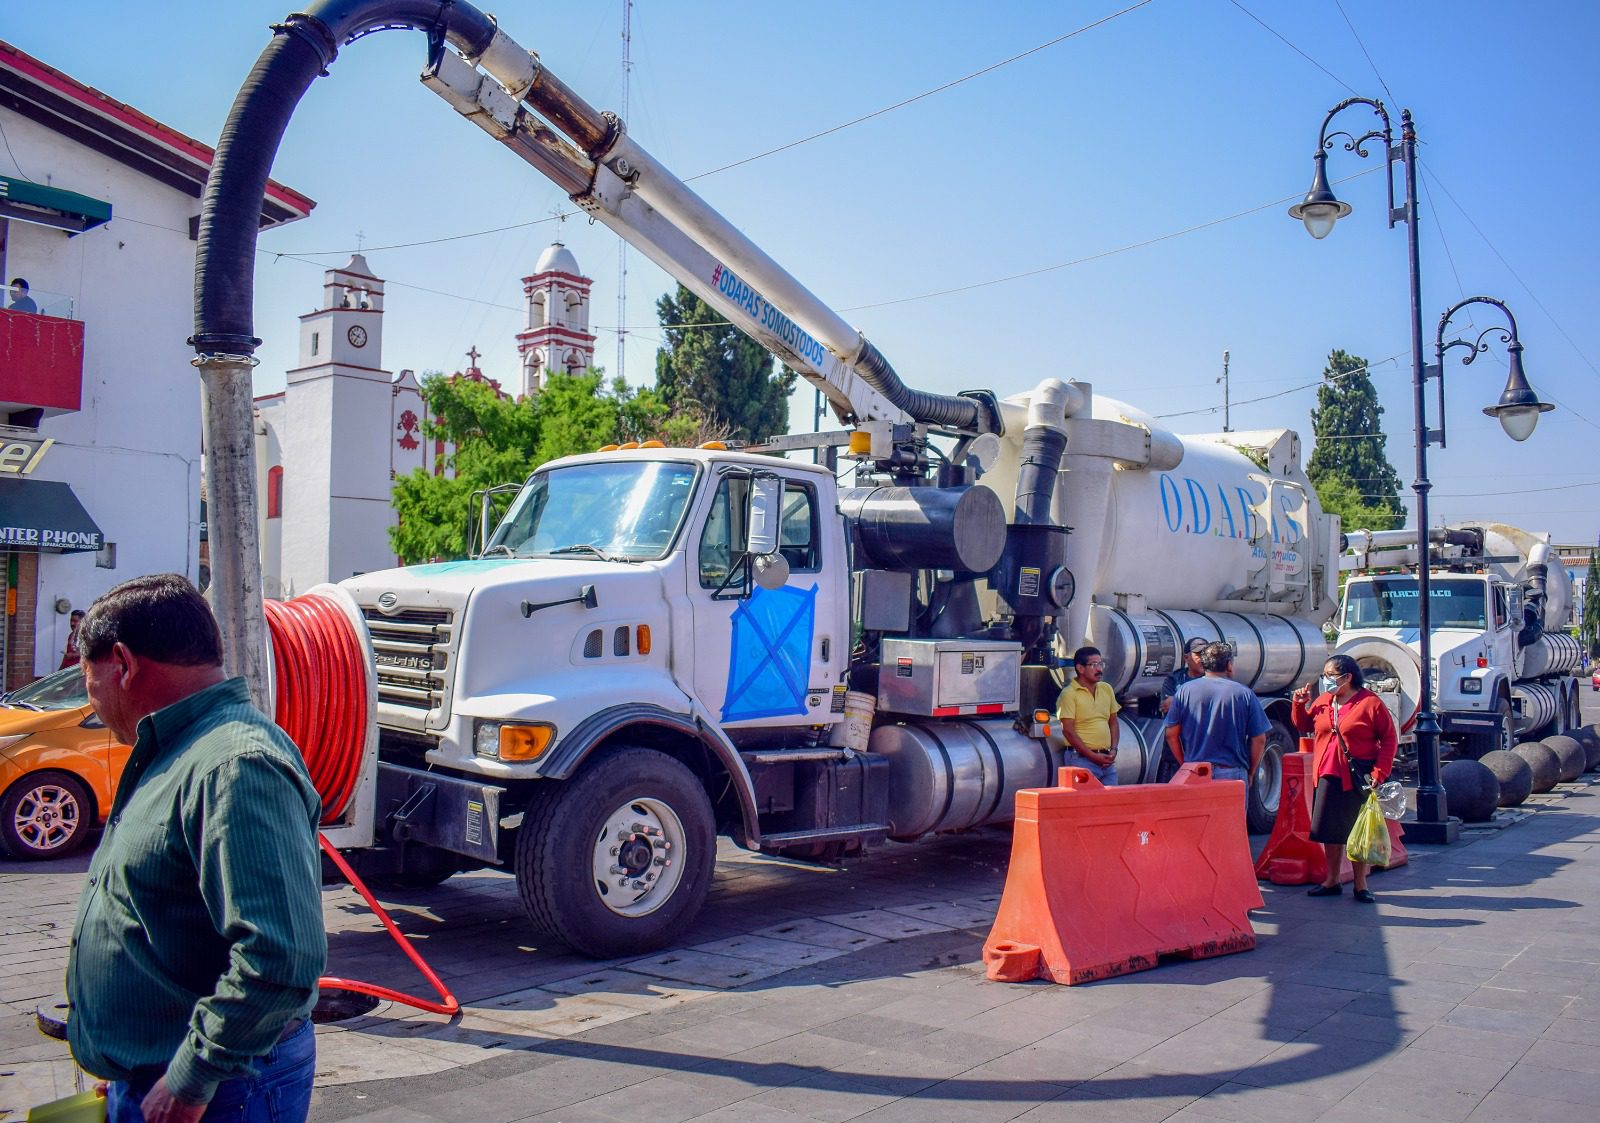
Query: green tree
1589,625
720,370
1350,444
500,440
1340,497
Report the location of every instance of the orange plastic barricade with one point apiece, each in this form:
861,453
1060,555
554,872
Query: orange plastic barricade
1290,857
1105,881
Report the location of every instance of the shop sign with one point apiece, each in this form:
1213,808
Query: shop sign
20,458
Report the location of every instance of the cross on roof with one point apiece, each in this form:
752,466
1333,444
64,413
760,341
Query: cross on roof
472,356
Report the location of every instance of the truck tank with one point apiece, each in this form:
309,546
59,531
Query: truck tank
1219,536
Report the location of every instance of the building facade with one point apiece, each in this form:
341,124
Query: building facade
556,335
100,426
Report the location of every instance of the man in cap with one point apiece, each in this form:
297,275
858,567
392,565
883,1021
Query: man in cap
1187,670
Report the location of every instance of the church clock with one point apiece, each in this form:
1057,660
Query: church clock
357,336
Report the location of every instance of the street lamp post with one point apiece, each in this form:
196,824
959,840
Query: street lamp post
1518,411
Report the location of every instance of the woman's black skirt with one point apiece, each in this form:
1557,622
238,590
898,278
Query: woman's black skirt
1334,810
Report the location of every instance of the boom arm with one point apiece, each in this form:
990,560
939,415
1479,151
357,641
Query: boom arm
507,92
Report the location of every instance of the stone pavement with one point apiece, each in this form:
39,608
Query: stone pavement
1471,991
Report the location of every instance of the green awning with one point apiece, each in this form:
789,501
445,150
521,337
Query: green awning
26,201
45,515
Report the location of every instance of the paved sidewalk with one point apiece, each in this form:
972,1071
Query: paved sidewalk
1471,991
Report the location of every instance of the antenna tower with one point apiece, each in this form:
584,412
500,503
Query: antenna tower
622,246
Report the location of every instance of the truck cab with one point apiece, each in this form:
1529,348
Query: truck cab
616,609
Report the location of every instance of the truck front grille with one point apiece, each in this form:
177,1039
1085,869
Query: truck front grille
411,652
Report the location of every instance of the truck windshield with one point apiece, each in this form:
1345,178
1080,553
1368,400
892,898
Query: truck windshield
1391,602
628,510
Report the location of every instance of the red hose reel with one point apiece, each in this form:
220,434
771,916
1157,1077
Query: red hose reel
321,666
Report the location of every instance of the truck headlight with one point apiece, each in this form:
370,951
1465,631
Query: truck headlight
508,740
1472,686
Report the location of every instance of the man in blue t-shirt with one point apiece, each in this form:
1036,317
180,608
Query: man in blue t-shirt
1216,720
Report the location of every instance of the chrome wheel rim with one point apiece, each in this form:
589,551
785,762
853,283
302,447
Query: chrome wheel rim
638,857
1269,781
47,817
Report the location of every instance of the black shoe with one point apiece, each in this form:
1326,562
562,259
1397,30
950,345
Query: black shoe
1365,897
1326,891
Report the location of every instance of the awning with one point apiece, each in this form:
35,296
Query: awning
27,201
45,516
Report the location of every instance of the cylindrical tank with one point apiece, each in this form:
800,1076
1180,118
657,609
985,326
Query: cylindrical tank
1553,653
947,775
961,528
1536,703
1271,653
1500,540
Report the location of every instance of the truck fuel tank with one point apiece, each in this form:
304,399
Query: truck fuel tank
949,775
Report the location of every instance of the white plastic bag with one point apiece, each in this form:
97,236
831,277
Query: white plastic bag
1392,800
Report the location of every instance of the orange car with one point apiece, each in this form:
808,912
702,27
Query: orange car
59,767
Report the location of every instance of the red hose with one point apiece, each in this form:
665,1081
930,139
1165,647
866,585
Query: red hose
320,666
447,1005
322,693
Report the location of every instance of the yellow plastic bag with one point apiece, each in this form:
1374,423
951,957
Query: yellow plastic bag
1369,838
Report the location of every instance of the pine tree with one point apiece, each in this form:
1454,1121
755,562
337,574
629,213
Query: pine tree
724,372
1350,444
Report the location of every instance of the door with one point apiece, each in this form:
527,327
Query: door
767,657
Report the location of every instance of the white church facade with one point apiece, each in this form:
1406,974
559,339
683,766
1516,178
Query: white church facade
330,445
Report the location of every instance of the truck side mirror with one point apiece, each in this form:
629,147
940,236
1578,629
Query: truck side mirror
763,515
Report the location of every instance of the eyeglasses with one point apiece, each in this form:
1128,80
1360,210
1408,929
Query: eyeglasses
1095,663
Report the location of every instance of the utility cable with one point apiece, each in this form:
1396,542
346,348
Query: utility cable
1357,37
1295,390
925,94
1348,87
771,151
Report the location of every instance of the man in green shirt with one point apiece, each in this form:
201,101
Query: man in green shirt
194,962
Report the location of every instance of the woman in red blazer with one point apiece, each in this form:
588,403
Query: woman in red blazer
1354,733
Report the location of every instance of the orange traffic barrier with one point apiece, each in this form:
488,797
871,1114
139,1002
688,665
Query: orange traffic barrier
1290,857
1105,881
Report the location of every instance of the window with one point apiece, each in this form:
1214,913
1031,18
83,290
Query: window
723,540
1392,602
797,533
316,342
275,492
1499,606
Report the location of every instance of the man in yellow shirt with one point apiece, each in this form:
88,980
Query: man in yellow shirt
1088,711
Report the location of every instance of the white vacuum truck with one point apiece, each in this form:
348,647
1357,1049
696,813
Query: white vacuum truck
1499,602
658,645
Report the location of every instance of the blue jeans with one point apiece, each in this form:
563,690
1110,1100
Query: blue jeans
279,1091
1105,773
1229,772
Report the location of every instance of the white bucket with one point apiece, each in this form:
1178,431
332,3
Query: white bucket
854,730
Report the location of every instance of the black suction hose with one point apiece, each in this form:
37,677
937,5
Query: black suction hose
1042,449
302,48
933,409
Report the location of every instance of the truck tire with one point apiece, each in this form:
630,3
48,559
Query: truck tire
617,860
1267,783
1474,746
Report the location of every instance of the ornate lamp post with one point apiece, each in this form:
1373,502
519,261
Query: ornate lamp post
1518,411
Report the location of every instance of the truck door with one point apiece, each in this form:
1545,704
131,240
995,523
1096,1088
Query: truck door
766,657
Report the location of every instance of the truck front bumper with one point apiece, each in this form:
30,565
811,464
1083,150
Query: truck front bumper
435,809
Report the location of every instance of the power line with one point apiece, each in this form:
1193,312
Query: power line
1348,87
771,151
1519,491
1295,390
1357,36
925,94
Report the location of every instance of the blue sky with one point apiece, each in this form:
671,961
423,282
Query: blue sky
1101,165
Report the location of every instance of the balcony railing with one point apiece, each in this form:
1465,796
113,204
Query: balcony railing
41,357
46,303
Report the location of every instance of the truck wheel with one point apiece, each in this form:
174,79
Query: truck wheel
617,860
45,815
1475,745
1267,783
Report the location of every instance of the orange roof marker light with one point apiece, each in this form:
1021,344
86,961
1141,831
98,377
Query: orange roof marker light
715,446
652,444
629,444
607,448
